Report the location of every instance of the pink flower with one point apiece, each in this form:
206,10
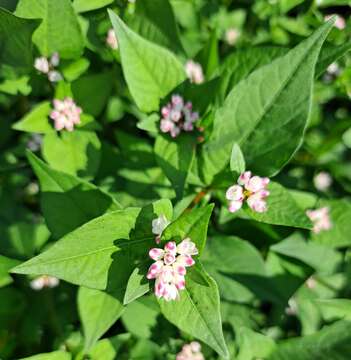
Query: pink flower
322,181
169,268
177,116
66,114
251,189
191,351
194,72
47,66
44,281
320,219
111,39
231,36
340,22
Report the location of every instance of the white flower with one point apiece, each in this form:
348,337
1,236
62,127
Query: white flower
194,72
44,281
322,181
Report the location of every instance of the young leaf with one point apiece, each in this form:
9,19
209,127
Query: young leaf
267,113
237,161
175,158
59,30
16,40
36,120
191,224
75,153
151,71
98,311
66,200
197,312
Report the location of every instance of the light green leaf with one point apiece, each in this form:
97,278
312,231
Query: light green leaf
59,30
16,40
197,311
282,209
332,342
36,120
335,308
56,355
151,71
88,5
5,265
175,157
75,153
237,161
191,224
75,69
267,113
66,200
98,311
16,86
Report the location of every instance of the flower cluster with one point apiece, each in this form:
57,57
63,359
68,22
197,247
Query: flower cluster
43,282
111,39
47,66
66,114
320,219
231,36
194,72
158,225
191,351
322,181
169,268
251,189
178,116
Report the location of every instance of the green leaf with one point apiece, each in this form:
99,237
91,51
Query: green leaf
76,152
16,40
59,30
329,54
197,311
88,5
5,265
16,86
191,224
84,256
151,71
267,113
36,120
98,311
56,355
66,200
310,253
175,157
154,20
84,92
339,234
282,209
336,308
237,160
75,69
332,342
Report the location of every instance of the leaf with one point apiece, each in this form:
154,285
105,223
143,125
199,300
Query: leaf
151,71
88,5
197,311
310,253
16,86
16,40
66,200
266,113
237,160
98,311
5,265
75,69
59,30
336,308
76,152
191,224
84,256
329,54
332,342
282,209
154,20
339,234
36,120
175,157
55,355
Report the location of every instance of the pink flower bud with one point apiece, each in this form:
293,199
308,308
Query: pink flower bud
194,72
155,269
187,247
42,64
171,247
156,254
235,206
169,258
255,184
256,203
244,178
235,193
185,260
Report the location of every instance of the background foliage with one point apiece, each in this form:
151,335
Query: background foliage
79,205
